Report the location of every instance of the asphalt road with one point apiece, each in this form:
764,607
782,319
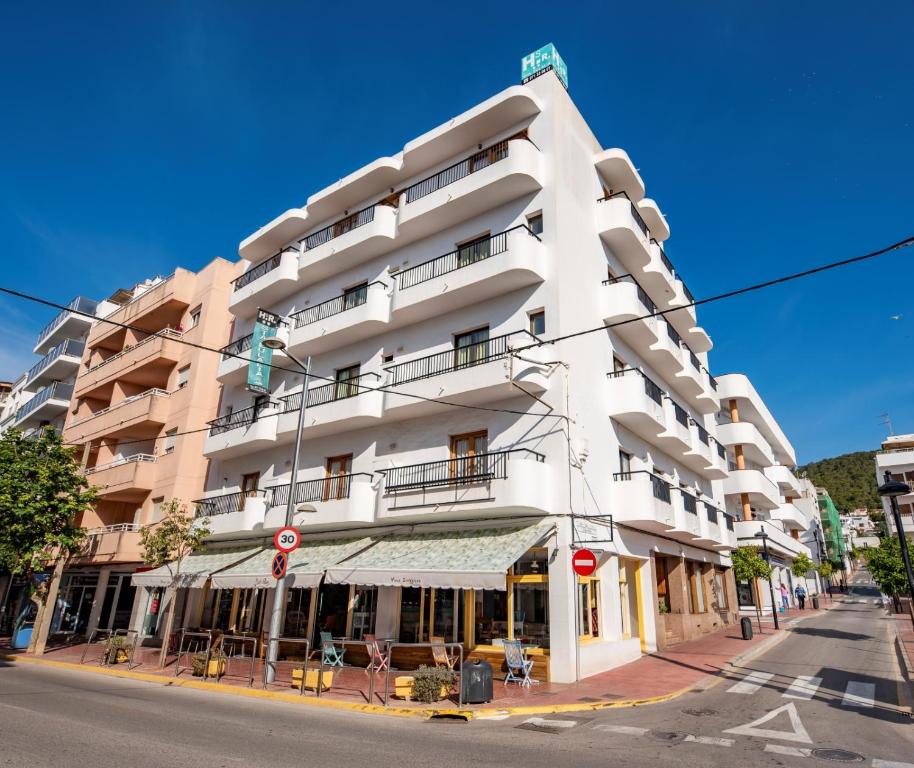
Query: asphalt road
840,670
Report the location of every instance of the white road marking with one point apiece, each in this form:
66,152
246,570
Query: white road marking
493,717
628,730
783,749
804,687
877,763
798,733
751,682
709,740
859,695
542,722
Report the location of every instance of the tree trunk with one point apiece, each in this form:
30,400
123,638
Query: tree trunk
169,622
42,624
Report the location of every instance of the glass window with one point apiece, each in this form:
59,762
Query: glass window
157,509
625,462
428,612
663,590
531,613
298,605
171,437
347,382
474,250
696,588
364,610
195,317
464,452
183,377
535,222
589,607
534,562
336,483
410,606
355,296
471,348
538,322
491,615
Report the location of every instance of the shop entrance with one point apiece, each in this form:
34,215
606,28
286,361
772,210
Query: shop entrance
118,602
332,609
74,603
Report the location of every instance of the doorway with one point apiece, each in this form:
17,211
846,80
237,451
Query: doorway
74,603
118,603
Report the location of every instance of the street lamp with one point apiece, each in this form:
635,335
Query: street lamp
764,539
893,489
279,598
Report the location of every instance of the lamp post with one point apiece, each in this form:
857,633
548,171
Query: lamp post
279,598
893,489
764,538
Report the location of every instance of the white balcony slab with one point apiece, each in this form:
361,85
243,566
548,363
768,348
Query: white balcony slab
786,480
635,503
268,288
619,229
781,544
624,309
655,220
629,403
359,411
246,438
745,433
762,493
618,173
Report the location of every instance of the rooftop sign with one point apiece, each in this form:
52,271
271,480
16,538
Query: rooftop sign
539,62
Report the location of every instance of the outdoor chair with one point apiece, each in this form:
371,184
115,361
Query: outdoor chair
377,661
330,654
440,655
519,668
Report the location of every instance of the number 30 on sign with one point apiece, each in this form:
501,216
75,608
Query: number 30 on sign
287,539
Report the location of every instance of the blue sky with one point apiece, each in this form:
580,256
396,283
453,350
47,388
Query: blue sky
137,137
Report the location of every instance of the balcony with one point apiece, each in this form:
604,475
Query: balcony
332,408
655,220
482,182
47,405
244,431
228,514
126,479
710,523
356,315
619,173
697,338
265,283
893,458
501,482
147,363
625,306
67,325
145,412
761,491
780,543
119,543
666,354
621,227
658,275
636,402
692,383
57,365
676,439
736,386
755,448
785,479
791,517
702,455
687,527
480,373
233,367
475,272
338,500
683,316
643,500
346,243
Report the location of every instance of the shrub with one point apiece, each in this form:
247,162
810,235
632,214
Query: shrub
429,681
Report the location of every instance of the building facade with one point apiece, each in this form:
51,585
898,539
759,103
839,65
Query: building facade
897,458
832,530
451,462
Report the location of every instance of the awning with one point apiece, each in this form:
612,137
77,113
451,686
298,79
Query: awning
462,559
306,565
193,570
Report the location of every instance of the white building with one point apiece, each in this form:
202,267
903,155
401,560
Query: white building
897,458
450,463
762,492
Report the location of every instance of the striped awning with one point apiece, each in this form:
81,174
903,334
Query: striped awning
193,570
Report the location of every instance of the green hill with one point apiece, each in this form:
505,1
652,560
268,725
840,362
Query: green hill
850,479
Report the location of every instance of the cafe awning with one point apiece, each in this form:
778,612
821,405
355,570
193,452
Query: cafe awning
193,570
455,559
306,565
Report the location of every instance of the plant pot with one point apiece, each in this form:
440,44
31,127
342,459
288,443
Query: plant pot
311,679
215,668
121,656
403,687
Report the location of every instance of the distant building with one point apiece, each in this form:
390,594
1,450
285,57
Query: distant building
897,458
835,544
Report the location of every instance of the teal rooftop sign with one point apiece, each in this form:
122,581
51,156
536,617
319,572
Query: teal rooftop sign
541,61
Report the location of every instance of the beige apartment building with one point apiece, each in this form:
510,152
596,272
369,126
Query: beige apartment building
135,393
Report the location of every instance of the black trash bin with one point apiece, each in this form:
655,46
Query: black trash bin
745,624
815,602
476,682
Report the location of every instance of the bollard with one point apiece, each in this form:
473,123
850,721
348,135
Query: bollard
746,625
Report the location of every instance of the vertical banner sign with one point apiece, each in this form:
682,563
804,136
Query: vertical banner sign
541,61
261,356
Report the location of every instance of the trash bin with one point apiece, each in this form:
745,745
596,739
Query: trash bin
745,624
815,602
476,682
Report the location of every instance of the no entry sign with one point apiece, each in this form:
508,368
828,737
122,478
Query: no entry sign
278,566
287,539
584,562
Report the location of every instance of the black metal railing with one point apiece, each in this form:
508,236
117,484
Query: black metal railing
225,504
463,470
236,419
711,380
673,334
651,389
237,347
330,488
259,270
711,512
66,347
702,433
663,257
642,294
461,170
659,487
689,502
341,227
687,292
721,451
351,299
328,393
682,415
693,358
729,521
636,215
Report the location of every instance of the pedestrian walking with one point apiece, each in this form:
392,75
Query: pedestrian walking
785,596
800,592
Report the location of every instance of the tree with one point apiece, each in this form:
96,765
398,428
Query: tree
749,565
166,543
801,565
42,493
887,568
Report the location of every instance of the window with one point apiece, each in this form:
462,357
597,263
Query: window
538,322
183,376
157,509
588,607
528,582
336,485
466,452
618,364
696,588
355,296
663,588
298,606
474,250
387,359
625,462
535,222
347,382
471,348
195,317
363,609
171,437
720,589
249,484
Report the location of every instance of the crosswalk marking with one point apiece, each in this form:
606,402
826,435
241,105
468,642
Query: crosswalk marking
859,694
628,730
751,682
542,722
781,749
804,687
712,741
877,763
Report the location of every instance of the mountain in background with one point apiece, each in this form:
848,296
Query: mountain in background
850,479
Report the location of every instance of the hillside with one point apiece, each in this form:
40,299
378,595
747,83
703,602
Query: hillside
850,479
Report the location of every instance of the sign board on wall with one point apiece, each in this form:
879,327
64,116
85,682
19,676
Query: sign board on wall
261,356
539,62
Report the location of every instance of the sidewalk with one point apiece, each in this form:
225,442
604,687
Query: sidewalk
650,679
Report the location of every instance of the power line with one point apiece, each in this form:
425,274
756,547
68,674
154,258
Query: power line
606,326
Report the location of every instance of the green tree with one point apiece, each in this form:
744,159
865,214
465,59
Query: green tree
749,565
850,479
42,493
166,543
887,568
801,565
825,569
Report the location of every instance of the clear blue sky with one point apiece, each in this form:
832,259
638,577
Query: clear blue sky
137,137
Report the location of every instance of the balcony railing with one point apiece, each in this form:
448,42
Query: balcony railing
452,360
79,304
711,380
687,292
115,528
689,502
349,300
461,170
155,392
673,334
328,393
465,470
712,514
721,450
341,227
642,294
56,390
636,215
682,415
259,270
663,257
729,521
165,333
66,347
464,256
224,505
236,419
237,347
134,459
331,488
702,433
693,358
659,486
650,388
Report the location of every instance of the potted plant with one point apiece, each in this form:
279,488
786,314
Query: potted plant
214,668
116,649
431,684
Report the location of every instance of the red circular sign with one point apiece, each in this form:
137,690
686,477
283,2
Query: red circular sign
287,539
584,562
278,566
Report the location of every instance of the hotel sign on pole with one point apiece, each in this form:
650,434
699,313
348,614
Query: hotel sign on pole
541,61
261,356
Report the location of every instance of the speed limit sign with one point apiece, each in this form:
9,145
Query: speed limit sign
287,539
